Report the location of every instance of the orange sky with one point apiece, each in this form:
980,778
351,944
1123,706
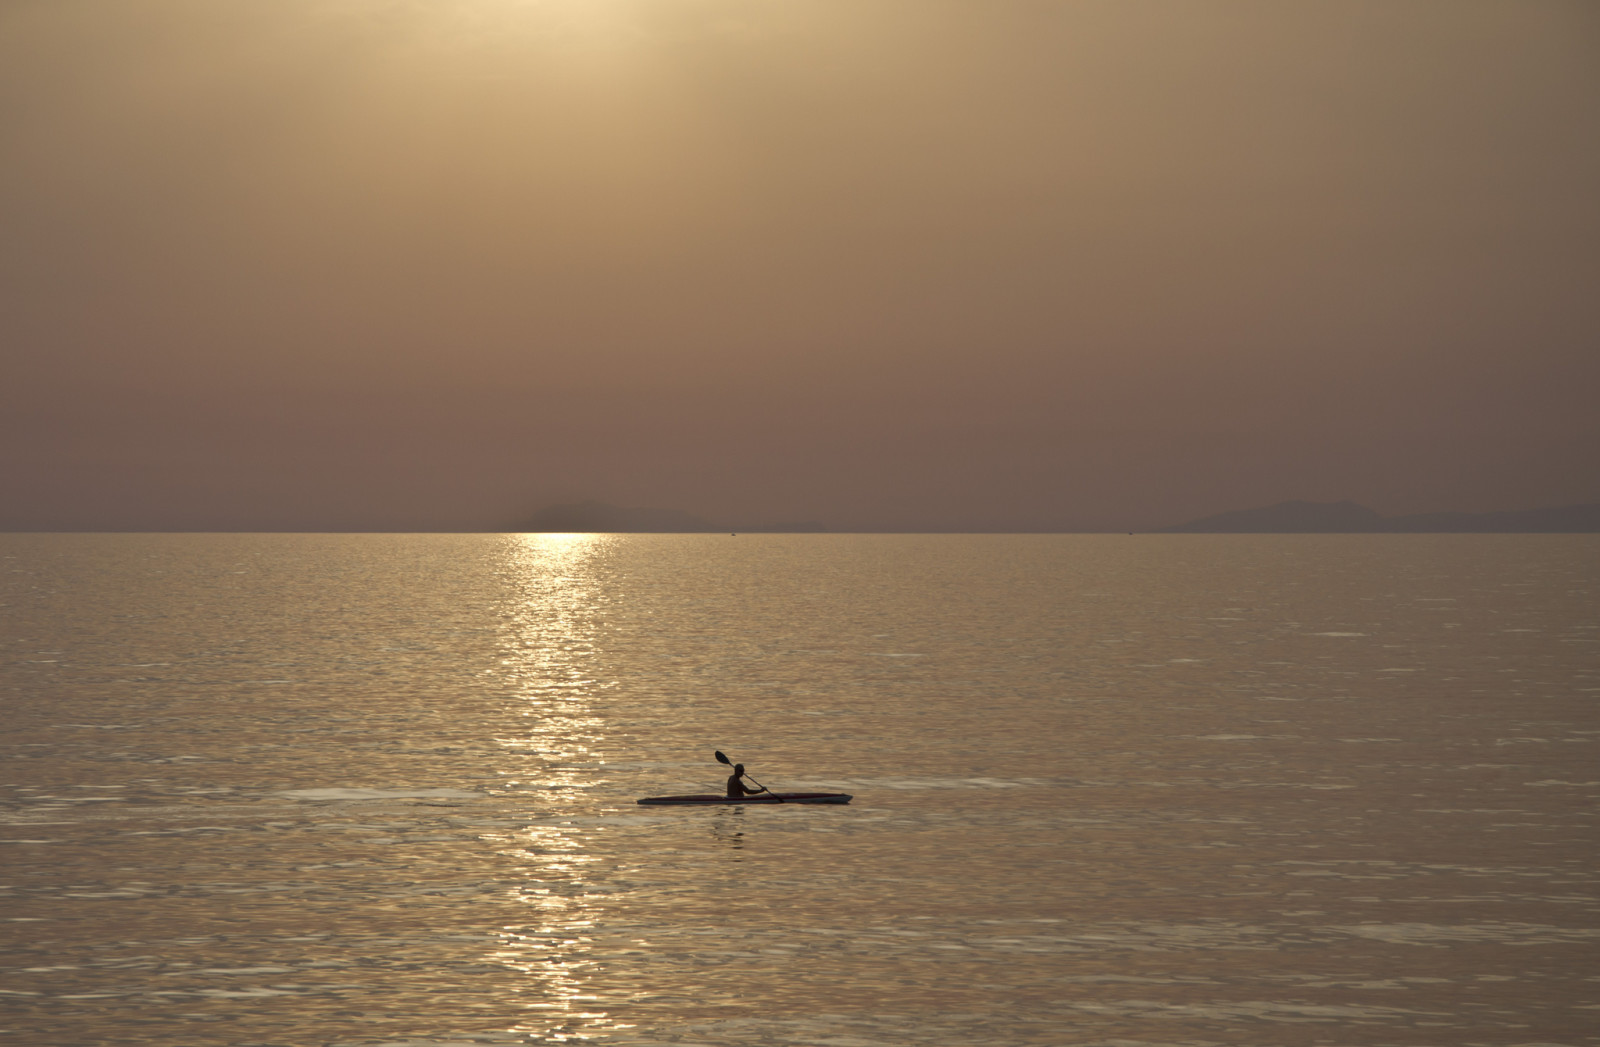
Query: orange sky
329,264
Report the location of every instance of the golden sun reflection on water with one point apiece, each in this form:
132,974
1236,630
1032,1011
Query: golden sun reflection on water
554,613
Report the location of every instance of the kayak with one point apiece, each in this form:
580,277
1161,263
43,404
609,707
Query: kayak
706,799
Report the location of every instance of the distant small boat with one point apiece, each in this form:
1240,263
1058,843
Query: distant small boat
707,799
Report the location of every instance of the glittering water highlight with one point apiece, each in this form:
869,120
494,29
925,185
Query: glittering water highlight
363,790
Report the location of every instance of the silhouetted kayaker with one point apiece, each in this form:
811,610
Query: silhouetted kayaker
736,787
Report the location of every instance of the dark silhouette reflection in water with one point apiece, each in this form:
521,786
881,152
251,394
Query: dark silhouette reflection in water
727,828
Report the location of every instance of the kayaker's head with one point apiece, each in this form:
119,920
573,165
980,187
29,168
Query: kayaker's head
738,769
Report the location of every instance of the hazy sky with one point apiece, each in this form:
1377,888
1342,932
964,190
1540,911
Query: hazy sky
330,264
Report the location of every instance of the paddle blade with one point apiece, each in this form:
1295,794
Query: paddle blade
723,759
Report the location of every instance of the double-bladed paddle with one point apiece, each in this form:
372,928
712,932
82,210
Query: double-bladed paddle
723,758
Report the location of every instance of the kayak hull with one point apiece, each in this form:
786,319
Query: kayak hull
712,799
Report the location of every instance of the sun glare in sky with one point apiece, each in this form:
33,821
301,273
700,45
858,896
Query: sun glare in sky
880,263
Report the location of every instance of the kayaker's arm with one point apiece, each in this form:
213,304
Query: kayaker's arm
736,785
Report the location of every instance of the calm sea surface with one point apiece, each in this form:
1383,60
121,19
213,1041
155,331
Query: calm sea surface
378,789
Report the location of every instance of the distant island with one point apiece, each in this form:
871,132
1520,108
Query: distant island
1295,517
1349,518
600,517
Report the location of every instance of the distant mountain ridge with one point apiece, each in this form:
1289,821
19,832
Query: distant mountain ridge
601,517
1347,517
